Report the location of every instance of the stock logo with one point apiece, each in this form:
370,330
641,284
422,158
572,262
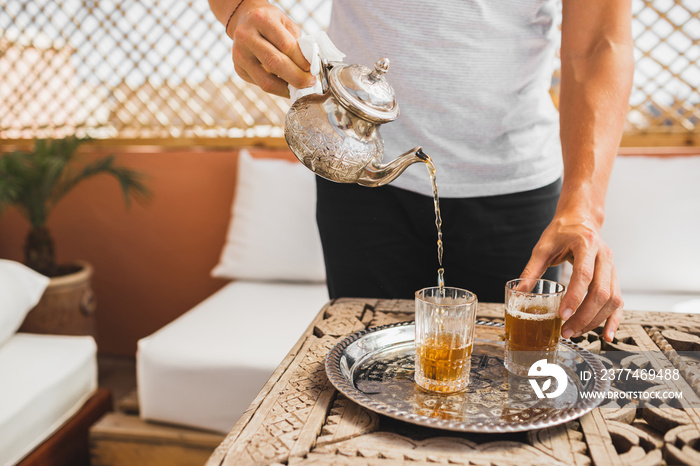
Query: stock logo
542,368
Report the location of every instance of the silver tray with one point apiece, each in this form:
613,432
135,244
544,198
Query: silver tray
374,368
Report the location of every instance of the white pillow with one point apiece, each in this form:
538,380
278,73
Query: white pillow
652,221
272,234
20,290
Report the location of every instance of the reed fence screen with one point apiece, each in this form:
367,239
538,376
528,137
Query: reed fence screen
160,71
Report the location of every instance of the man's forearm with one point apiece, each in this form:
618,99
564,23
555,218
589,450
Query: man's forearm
595,89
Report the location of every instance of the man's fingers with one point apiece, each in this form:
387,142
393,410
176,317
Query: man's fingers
288,43
280,31
611,306
273,41
615,318
536,266
612,324
572,303
266,52
260,58
251,70
243,74
280,50
601,299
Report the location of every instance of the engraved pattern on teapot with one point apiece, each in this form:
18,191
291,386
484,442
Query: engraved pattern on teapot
336,134
340,155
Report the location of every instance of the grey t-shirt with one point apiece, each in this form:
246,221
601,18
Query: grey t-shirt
471,78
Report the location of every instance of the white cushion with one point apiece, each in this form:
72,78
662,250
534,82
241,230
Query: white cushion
45,379
204,368
652,223
272,234
20,290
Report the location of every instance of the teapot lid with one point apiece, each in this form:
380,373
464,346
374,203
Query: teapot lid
365,92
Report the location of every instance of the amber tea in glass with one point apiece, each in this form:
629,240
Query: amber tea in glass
532,323
445,320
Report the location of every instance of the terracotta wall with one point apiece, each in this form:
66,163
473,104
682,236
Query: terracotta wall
151,262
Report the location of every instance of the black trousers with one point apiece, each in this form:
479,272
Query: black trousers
382,242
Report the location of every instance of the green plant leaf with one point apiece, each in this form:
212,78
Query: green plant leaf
35,181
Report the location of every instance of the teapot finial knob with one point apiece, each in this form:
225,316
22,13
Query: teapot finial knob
381,67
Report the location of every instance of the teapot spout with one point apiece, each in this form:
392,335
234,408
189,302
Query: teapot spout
380,174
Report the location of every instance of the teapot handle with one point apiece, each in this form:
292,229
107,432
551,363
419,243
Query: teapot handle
323,75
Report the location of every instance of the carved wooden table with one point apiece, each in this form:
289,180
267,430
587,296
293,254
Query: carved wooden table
299,418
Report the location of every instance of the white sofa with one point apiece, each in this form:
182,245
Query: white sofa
44,379
653,227
203,369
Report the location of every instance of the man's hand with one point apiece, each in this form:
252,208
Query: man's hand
597,65
593,295
265,50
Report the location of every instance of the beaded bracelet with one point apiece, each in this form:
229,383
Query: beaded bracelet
233,13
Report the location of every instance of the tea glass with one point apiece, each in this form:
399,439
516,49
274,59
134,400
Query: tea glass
445,319
532,323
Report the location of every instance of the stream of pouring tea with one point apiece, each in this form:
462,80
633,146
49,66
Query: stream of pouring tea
438,223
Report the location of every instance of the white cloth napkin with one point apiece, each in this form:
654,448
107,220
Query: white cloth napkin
315,47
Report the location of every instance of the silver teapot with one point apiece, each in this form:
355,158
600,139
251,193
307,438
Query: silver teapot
336,134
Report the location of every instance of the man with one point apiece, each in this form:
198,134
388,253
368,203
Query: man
471,77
